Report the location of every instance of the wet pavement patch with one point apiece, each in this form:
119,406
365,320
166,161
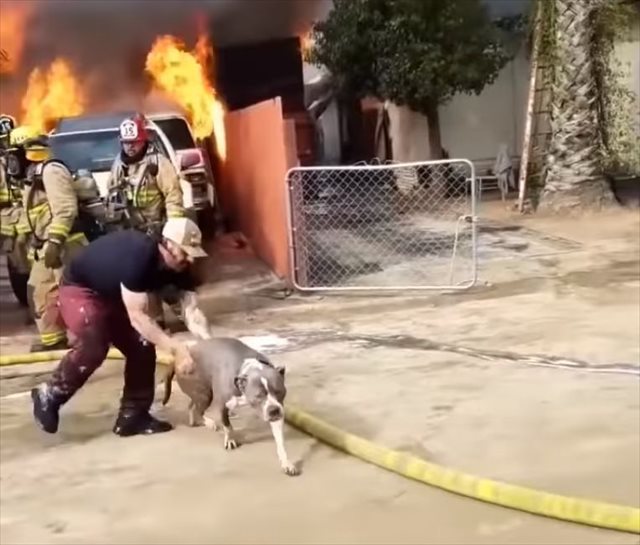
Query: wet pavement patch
414,250
503,241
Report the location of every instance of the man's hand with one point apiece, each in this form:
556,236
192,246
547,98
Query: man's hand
193,317
52,255
184,363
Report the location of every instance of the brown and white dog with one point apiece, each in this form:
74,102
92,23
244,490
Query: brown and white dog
230,374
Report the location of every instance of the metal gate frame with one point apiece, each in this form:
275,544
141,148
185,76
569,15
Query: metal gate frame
471,218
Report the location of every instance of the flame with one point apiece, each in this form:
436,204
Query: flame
50,95
306,44
182,75
13,25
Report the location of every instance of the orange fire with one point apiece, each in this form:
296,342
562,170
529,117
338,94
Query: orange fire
13,25
306,44
50,95
183,76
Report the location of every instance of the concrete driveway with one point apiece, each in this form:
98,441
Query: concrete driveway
567,431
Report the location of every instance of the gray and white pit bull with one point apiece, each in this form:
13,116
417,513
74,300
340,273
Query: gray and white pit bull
229,374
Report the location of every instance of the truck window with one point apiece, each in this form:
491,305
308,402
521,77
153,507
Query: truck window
94,151
177,132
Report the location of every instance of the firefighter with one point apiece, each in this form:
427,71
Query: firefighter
150,183
13,227
51,208
7,124
7,225
150,186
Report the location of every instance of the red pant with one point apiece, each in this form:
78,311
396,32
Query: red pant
95,323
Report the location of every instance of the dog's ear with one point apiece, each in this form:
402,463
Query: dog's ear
240,383
281,369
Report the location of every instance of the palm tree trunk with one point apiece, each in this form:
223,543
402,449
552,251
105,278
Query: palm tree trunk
575,177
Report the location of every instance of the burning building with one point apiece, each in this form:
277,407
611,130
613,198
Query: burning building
61,58
211,61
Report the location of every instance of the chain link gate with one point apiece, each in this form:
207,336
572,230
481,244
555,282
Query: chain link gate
402,226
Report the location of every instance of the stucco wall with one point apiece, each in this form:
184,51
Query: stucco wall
629,55
471,126
474,126
252,186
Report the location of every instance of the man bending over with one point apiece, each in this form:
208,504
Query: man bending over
104,301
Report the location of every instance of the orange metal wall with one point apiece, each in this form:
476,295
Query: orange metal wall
251,189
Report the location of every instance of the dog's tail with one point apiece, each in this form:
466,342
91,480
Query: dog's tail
168,380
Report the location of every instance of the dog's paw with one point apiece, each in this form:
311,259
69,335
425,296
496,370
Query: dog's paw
290,469
230,443
210,424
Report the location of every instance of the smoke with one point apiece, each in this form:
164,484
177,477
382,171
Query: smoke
107,40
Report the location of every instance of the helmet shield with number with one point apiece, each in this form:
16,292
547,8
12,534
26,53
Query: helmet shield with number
133,130
134,137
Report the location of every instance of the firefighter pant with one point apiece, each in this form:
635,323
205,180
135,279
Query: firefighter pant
18,256
16,250
12,245
43,284
96,323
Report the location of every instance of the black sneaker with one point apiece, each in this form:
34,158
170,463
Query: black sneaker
45,409
136,423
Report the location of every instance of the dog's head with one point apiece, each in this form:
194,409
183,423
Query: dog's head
262,385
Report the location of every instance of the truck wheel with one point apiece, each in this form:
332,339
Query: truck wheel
18,281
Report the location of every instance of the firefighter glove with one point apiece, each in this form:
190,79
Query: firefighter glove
52,254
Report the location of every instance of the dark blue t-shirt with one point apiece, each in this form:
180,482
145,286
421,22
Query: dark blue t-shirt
126,257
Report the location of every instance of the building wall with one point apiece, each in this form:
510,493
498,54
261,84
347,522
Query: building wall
473,126
629,55
251,189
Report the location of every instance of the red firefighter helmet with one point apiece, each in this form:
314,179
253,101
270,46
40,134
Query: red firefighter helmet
133,129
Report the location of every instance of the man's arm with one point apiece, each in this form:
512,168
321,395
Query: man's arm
58,185
169,185
137,305
194,318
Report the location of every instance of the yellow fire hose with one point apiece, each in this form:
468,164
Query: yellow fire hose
53,355
583,511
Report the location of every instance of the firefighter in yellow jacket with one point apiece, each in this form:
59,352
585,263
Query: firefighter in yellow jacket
8,196
146,178
149,184
51,209
13,228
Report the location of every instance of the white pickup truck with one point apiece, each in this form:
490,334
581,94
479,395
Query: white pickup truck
91,142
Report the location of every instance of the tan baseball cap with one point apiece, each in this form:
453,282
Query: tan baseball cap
186,234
